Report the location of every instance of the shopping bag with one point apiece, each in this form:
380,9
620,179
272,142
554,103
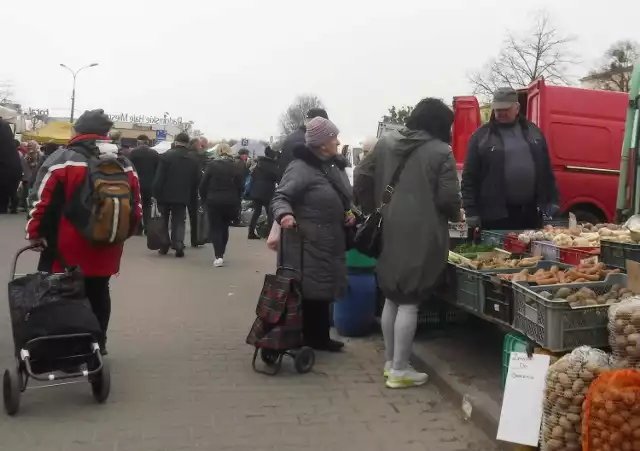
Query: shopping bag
203,226
43,304
273,241
156,233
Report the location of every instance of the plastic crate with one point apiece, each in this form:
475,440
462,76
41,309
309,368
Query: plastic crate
616,254
433,312
566,255
498,292
513,342
493,238
464,287
556,326
514,245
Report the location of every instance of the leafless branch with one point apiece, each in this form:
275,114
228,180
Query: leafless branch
615,70
541,52
294,117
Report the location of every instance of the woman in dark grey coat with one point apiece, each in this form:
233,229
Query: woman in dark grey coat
311,204
415,236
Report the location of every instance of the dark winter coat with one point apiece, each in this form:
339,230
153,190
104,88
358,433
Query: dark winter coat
145,160
292,141
222,183
483,177
10,163
177,178
415,231
317,193
263,180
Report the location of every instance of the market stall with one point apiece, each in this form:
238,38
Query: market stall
54,132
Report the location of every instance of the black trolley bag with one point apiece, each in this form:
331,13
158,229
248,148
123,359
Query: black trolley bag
54,330
277,329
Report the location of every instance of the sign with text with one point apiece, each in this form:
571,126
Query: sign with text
521,414
142,119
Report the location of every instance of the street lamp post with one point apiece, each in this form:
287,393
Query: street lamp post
73,93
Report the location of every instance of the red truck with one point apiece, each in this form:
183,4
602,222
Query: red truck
584,129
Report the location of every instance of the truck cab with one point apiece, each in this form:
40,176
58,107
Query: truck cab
584,130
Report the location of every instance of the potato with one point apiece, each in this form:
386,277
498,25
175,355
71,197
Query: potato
555,444
563,293
635,319
629,329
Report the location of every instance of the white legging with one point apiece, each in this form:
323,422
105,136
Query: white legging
399,323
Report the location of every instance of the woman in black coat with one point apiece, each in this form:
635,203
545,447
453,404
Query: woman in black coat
221,190
10,168
263,185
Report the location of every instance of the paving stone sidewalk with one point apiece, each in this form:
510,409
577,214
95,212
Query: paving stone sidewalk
182,377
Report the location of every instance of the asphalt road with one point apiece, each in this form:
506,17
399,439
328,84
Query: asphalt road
182,378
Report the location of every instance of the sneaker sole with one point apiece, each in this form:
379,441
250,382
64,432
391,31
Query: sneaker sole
404,383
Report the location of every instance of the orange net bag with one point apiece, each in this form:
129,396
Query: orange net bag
611,413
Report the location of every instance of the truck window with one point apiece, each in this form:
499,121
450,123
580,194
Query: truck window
582,143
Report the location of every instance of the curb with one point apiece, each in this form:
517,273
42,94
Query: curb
477,406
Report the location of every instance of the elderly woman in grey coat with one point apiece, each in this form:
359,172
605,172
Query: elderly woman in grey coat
415,237
311,204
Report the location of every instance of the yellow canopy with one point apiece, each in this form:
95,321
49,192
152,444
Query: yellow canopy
57,132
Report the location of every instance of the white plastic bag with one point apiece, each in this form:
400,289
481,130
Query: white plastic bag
273,241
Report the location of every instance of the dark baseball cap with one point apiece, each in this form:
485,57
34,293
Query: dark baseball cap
504,98
317,112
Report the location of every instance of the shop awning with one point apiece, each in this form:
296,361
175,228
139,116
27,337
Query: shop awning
57,132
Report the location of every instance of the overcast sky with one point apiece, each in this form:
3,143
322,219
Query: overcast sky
233,66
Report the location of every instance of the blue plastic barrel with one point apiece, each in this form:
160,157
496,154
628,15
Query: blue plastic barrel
354,315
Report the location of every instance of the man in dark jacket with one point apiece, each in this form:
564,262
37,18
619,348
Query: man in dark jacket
296,138
175,187
508,180
196,151
10,168
263,184
145,160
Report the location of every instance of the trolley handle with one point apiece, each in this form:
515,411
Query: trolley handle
30,247
281,267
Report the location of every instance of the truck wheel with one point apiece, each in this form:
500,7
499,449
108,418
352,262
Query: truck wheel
583,216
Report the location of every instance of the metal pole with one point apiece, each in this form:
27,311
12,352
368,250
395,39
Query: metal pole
73,98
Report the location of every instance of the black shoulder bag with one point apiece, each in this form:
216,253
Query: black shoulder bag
368,237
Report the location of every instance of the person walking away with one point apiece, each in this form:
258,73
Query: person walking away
73,185
263,184
221,191
415,231
145,160
508,181
295,138
175,186
195,151
10,169
311,204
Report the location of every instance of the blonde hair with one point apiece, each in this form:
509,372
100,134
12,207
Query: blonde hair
224,149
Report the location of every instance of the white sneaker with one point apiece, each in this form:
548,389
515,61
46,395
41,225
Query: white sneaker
218,263
387,368
406,378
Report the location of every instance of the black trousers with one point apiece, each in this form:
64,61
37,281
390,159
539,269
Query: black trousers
257,211
316,322
8,195
146,210
521,217
193,222
99,296
178,213
220,218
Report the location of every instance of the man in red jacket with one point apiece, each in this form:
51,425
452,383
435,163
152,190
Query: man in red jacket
58,179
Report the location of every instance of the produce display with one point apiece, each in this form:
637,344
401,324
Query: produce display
585,272
611,413
566,387
624,333
500,262
470,250
586,297
584,235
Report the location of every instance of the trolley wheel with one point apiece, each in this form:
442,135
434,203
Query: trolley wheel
101,383
270,357
304,360
11,390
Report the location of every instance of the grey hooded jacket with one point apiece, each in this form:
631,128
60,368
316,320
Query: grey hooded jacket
415,229
317,193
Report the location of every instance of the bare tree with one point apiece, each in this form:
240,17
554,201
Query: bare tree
294,117
397,115
541,52
614,73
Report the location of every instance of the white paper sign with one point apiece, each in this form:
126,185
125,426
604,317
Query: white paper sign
522,402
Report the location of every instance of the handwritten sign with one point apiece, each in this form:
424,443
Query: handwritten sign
522,402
